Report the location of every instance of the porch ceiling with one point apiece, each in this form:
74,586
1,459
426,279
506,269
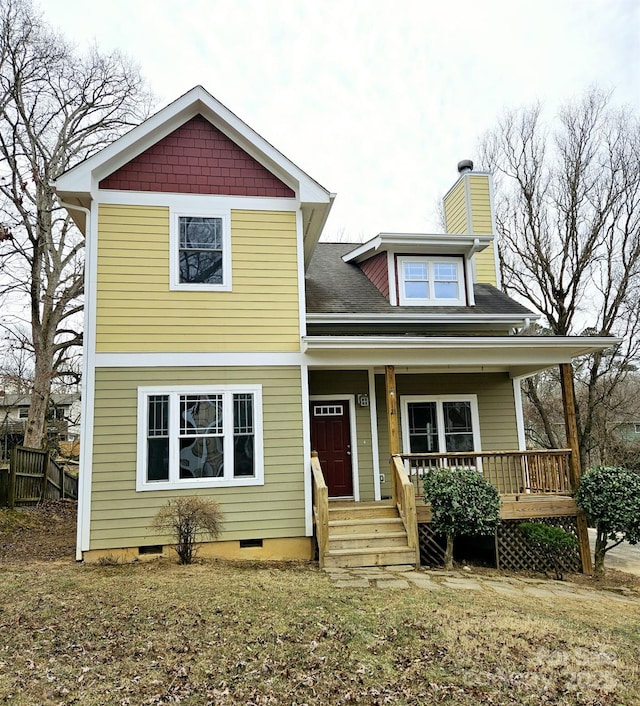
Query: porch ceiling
518,355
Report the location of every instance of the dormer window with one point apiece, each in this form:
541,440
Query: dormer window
431,281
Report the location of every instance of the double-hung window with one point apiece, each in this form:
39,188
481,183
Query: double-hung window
200,251
191,437
440,424
433,281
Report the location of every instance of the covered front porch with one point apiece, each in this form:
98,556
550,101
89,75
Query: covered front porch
376,430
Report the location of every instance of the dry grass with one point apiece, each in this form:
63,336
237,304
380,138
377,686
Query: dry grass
222,633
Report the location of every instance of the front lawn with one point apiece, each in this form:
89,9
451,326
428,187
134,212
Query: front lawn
223,633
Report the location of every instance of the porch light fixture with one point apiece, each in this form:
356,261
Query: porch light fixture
363,400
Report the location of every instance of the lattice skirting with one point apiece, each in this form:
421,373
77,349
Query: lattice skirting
514,554
431,546
512,551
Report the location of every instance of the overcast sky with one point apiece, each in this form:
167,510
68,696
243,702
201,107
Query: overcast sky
376,100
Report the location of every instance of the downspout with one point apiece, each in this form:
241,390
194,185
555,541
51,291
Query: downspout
84,414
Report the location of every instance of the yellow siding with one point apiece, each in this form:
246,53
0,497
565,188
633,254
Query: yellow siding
486,266
479,191
455,209
137,312
496,408
480,204
120,516
352,382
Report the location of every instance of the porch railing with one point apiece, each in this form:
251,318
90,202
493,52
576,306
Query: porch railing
320,507
406,502
511,472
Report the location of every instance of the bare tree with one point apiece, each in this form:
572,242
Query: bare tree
568,220
56,109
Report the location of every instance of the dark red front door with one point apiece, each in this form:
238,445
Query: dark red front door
331,438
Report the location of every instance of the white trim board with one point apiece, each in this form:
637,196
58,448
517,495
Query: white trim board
196,201
197,360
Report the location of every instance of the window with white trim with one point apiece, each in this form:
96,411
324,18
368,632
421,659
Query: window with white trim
440,424
200,251
431,281
191,437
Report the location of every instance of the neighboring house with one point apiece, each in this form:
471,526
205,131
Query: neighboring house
63,421
224,344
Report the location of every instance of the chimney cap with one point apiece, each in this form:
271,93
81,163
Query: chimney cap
466,165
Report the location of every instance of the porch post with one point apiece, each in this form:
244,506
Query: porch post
392,422
571,428
570,422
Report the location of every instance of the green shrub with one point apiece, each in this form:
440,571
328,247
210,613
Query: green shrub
549,542
462,502
610,497
187,518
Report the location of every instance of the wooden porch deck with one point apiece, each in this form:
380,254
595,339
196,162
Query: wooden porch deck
532,484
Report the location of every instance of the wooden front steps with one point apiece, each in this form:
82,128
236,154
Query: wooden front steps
366,534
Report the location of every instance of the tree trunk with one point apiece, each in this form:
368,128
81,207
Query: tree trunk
598,558
448,552
39,401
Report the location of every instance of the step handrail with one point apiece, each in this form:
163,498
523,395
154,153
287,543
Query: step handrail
320,508
406,504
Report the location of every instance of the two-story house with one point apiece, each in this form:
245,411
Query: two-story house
224,344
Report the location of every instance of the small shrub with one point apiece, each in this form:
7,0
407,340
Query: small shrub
462,502
610,497
187,518
549,542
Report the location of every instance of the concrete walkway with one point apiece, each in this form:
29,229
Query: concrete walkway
624,557
405,576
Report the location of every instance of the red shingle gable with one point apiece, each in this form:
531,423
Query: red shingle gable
197,159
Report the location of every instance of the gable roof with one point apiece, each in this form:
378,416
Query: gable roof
78,185
340,289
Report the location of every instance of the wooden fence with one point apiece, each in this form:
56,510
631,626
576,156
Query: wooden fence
33,476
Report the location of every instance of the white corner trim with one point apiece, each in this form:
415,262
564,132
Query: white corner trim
375,449
353,435
302,306
517,399
88,387
391,273
467,201
496,259
306,451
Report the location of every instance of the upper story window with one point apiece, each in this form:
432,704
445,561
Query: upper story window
200,252
23,412
431,281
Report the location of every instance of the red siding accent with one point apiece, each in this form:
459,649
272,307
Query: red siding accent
376,270
197,159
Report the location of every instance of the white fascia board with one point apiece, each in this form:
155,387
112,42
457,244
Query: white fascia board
512,320
431,243
85,176
567,346
519,356
314,216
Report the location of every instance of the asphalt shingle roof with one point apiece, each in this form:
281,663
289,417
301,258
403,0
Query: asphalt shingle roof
337,287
